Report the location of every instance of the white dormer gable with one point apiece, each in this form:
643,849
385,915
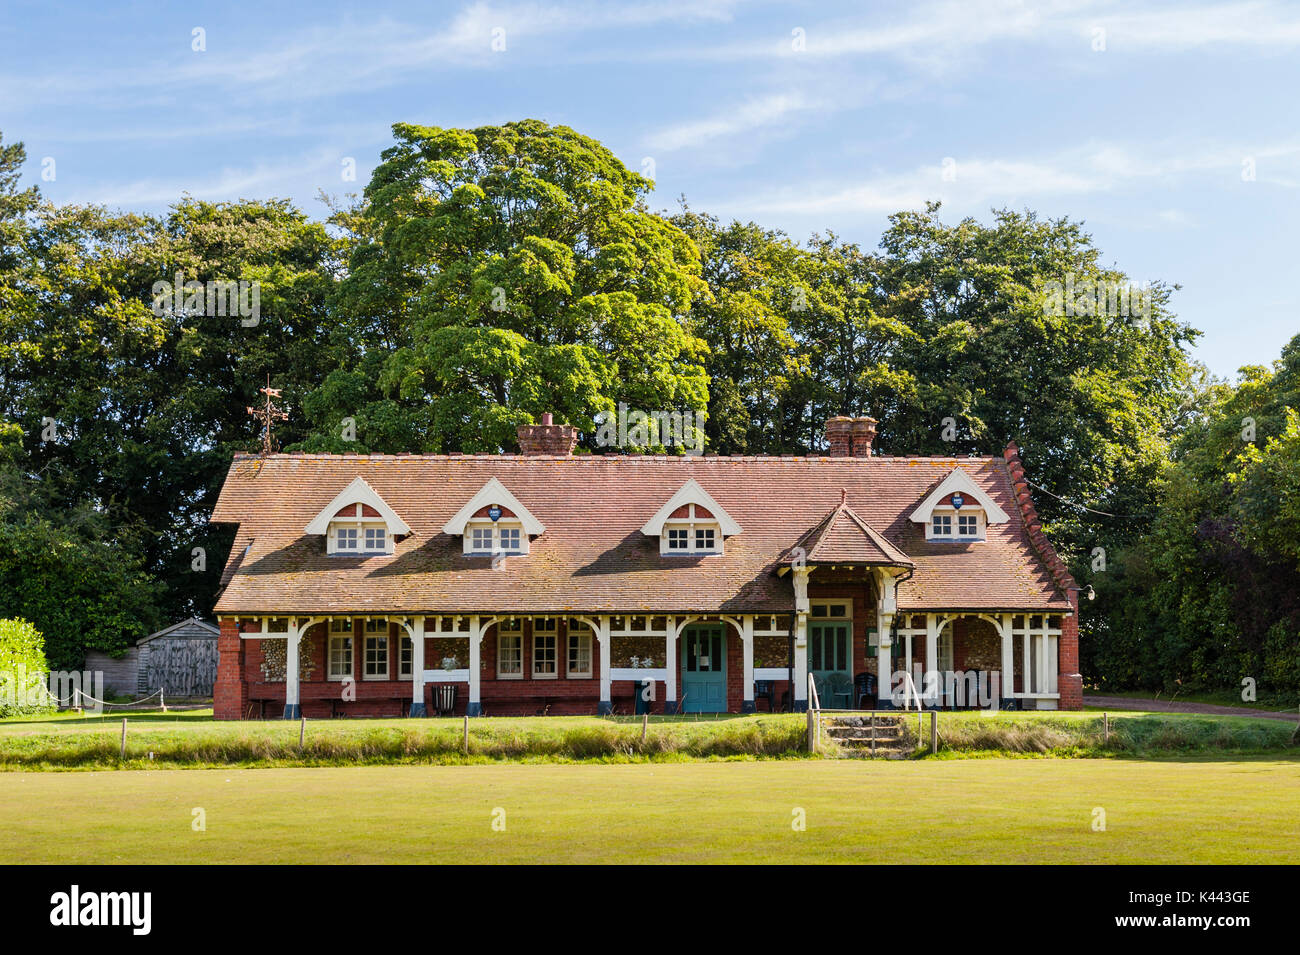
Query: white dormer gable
358,492
960,482
691,522
508,534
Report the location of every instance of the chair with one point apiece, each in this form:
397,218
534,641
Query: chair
838,687
864,688
444,698
765,690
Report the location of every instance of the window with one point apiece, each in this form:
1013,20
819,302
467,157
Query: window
826,608
376,660
510,650
545,664
942,525
968,525
405,658
689,535
340,657
357,538
579,652
499,538
963,525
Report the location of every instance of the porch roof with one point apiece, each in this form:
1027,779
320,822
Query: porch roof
593,556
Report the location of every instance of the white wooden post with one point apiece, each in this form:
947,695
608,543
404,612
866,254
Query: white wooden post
606,705
932,661
417,667
799,694
671,662
475,706
292,707
1008,660
747,650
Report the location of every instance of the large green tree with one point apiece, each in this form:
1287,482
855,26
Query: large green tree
502,272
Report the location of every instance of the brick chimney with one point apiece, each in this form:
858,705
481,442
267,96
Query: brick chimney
547,437
850,437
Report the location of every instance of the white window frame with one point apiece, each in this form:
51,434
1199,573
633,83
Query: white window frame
955,536
360,526
826,605
552,634
514,631
405,657
375,629
691,523
495,535
334,639
579,634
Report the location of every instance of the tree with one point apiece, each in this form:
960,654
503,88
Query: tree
503,272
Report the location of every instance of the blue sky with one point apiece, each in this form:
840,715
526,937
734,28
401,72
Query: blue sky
1142,119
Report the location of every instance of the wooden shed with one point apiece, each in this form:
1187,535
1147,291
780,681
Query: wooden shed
180,659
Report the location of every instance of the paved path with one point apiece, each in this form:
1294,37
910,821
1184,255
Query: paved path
1178,706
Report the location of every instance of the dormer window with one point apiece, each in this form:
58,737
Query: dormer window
502,537
358,523
691,522
958,510
494,522
951,524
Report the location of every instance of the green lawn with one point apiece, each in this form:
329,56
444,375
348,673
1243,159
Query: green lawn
989,810
192,740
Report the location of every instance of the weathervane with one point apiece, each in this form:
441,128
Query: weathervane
269,414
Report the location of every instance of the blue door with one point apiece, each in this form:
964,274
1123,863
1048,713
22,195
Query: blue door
704,669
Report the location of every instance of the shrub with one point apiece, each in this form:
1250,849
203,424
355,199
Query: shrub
22,669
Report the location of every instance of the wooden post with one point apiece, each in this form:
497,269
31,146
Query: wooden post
812,740
1105,727
465,741
873,733
645,726
934,731
302,733
162,698
123,752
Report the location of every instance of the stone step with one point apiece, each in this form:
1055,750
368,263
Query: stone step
863,736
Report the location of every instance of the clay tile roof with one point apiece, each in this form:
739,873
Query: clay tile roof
593,556
845,538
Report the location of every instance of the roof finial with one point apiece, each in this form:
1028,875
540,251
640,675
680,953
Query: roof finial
844,496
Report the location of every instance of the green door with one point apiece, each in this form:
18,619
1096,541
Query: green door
831,663
704,669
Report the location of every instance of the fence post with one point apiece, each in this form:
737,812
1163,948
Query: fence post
464,746
1105,727
302,733
122,755
645,726
934,731
162,698
812,741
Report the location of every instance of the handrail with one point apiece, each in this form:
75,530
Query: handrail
814,702
915,695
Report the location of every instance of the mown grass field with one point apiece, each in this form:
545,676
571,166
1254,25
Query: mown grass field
995,810
191,740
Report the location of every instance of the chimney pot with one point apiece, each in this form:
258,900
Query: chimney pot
850,437
547,437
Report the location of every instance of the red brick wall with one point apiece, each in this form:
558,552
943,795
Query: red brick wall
1069,681
229,693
